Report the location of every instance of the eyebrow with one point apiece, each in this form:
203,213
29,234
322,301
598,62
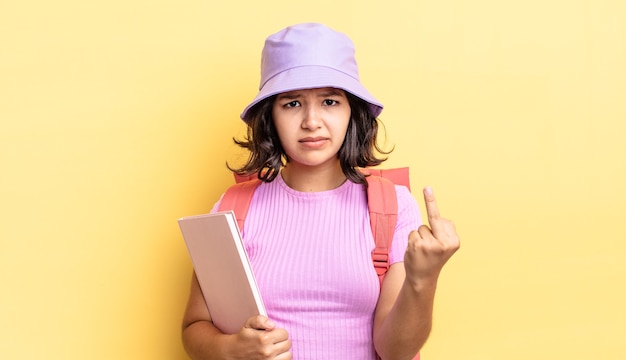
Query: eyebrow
295,94
331,92
289,96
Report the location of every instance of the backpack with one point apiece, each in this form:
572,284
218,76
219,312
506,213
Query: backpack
382,205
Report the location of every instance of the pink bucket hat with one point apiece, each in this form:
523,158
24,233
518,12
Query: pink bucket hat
308,56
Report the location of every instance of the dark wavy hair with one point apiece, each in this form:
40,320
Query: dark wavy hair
267,156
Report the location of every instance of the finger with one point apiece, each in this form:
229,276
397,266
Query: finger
424,233
431,204
281,336
260,322
414,239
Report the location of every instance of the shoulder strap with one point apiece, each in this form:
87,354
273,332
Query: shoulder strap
383,208
238,198
398,176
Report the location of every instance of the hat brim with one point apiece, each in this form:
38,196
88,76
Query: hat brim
312,77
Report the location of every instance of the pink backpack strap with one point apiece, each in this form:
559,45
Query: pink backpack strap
382,202
238,198
398,176
383,208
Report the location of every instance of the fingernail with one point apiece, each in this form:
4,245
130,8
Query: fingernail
428,190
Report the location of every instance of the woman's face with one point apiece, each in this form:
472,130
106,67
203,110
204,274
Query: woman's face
312,124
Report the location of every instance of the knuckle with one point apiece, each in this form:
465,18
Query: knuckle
265,352
423,229
264,339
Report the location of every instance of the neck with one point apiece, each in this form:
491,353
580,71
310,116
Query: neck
313,179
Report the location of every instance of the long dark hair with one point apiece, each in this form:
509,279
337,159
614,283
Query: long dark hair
359,149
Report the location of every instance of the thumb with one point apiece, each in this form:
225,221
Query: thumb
259,322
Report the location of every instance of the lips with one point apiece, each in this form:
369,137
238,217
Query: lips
313,142
312,139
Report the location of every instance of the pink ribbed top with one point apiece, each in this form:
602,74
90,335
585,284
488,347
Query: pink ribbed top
311,255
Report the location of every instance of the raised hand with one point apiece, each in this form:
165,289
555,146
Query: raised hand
431,245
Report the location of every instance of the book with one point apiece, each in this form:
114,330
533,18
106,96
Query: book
223,269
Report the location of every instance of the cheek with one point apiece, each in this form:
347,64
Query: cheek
279,124
347,117
342,127
342,130
283,129
285,132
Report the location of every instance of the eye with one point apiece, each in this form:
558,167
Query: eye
330,102
292,104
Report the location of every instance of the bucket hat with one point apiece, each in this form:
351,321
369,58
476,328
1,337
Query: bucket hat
308,56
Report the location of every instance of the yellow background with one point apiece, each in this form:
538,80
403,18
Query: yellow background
116,119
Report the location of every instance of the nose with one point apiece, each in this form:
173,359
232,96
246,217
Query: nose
311,118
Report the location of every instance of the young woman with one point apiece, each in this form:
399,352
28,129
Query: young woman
307,233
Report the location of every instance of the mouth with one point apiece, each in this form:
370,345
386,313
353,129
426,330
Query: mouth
313,142
312,139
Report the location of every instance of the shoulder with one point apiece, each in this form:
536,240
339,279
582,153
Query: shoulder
403,192
404,196
238,194
407,205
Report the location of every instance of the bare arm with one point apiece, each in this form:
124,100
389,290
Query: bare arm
258,338
403,317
